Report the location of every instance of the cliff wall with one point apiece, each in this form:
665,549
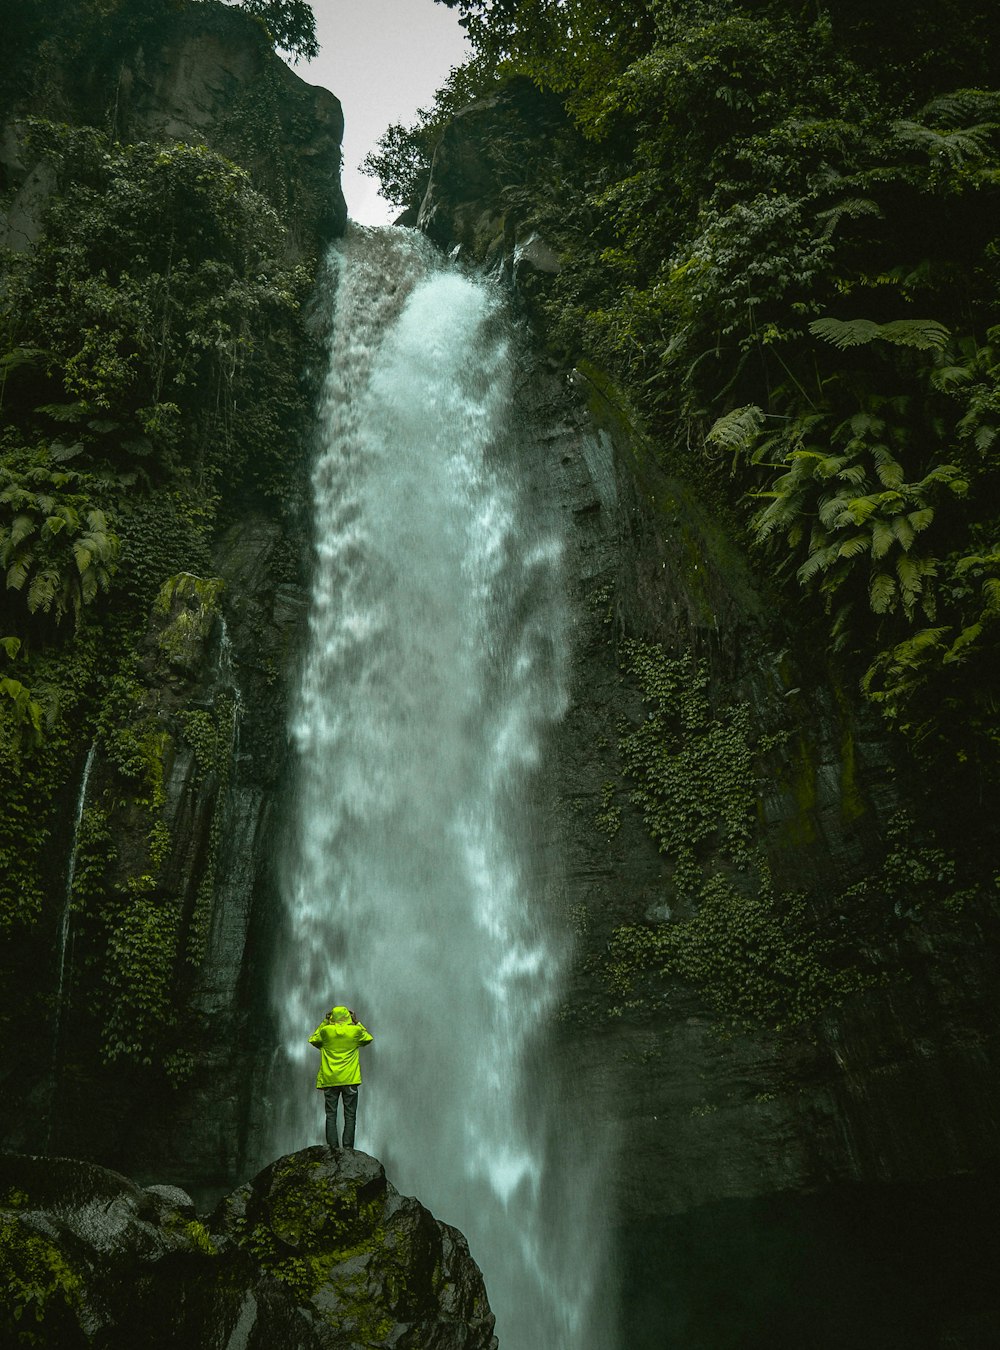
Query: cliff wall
131,966
809,1050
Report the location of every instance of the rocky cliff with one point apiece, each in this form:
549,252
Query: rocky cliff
163,793
204,75
317,1251
800,1072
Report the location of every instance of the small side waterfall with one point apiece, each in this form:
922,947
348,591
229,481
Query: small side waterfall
63,943
416,878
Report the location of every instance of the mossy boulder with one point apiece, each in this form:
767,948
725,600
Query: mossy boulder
375,1267
318,1252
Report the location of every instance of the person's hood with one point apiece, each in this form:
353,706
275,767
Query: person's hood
339,1015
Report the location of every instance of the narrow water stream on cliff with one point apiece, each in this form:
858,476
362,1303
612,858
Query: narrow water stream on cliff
417,872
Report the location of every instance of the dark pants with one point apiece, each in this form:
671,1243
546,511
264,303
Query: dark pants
349,1091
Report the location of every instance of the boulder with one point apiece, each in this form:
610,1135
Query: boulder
318,1252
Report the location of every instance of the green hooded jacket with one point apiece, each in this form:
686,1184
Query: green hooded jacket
338,1040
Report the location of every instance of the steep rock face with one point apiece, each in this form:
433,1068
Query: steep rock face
205,76
318,1252
871,1109
214,671
187,780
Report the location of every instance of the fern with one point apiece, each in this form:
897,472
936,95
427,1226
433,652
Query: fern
882,592
738,430
903,531
883,538
955,147
962,105
851,208
924,334
851,548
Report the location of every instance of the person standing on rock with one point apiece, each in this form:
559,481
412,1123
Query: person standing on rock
338,1039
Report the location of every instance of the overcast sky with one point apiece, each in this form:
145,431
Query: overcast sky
383,59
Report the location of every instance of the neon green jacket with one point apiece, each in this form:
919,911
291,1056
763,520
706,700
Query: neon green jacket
338,1044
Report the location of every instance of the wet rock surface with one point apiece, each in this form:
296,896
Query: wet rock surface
318,1252
872,1114
207,76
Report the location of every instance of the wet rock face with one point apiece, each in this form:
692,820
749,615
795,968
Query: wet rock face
875,1100
207,76
318,1252
214,677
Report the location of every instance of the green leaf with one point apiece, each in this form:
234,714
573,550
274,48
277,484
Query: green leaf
923,334
882,538
850,548
882,593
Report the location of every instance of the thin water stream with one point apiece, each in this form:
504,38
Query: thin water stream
63,945
417,875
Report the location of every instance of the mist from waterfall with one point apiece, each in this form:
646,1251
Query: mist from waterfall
418,881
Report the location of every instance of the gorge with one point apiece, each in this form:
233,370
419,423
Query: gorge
427,660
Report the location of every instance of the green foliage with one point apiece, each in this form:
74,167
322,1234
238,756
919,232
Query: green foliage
56,548
192,604
141,955
756,955
152,350
290,24
35,772
694,767
757,958
157,305
777,236
39,1290
402,158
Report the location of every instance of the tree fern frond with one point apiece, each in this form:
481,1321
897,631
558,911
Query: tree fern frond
991,594
923,334
882,538
882,592
919,520
22,527
946,378
855,474
961,105
911,581
954,147
903,531
845,333
890,472
864,424
43,591
737,430
851,207
19,571
966,637
833,511
53,525
65,412
815,563
862,508
858,543
82,555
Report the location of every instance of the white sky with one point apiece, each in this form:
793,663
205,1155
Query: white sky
383,59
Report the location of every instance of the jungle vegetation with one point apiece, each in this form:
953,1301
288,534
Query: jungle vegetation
778,226
152,388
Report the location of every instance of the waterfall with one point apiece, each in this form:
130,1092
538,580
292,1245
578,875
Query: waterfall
418,870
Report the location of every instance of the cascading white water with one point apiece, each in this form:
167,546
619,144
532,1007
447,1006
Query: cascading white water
414,881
